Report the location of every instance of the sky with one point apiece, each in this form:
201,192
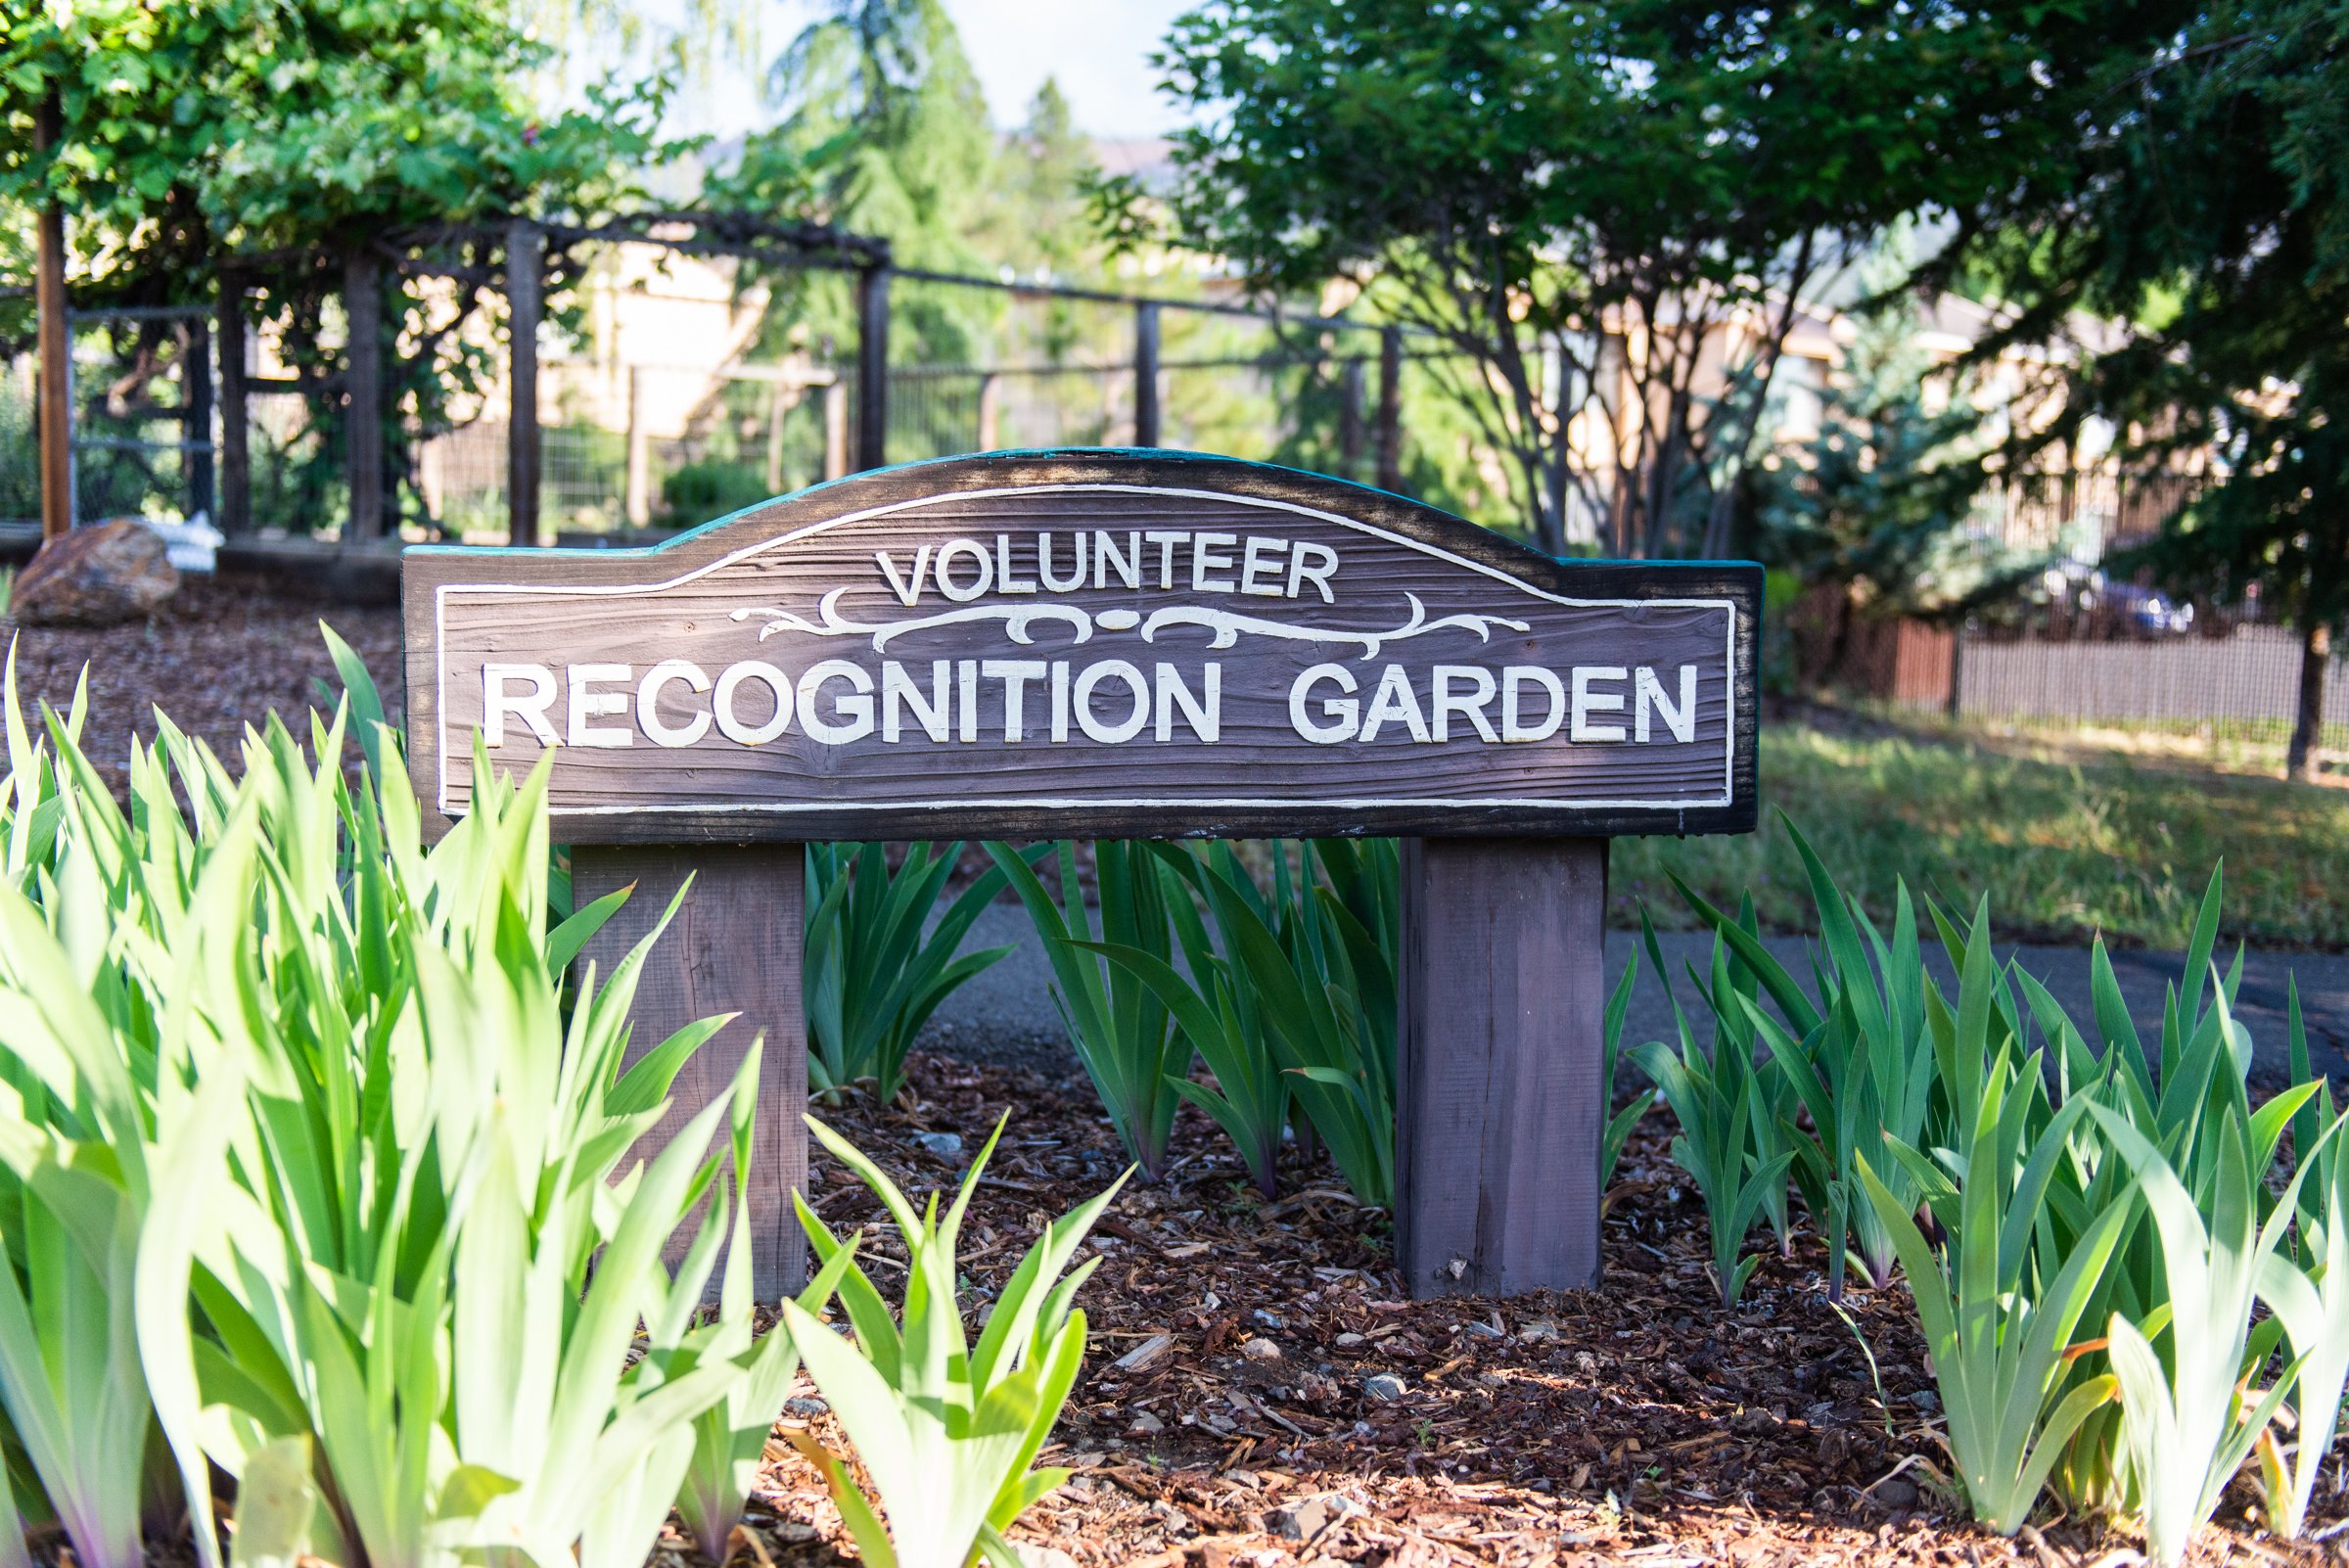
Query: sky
1099,50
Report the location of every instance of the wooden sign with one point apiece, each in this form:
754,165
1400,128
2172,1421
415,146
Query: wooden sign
1130,644
1090,645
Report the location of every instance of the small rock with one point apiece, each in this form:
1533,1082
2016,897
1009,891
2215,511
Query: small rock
1178,1522
1347,1339
1145,1423
1534,1328
946,1145
1492,1380
806,1408
1895,1493
1308,1517
792,1533
1924,1398
1035,1554
1260,1349
1384,1386
1484,1331
95,576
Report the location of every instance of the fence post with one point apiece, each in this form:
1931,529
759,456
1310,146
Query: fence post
235,452
1350,418
363,395
56,346
640,454
526,278
1955,705
1390,408
991,412
836,430
196,424
1146,374
872,367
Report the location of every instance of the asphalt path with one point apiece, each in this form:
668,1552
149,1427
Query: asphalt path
1007,1013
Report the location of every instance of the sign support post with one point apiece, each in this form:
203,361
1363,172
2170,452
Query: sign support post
733,948
1122,644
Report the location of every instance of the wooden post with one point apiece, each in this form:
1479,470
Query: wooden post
1146,374
774,438
236,460
991,412
640,454
363,395
57,345
836,430
1390,408
1954,706
196,422
1497,1101
526,279
872,368
1350,418
734,947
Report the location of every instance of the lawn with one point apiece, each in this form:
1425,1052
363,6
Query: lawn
2063,849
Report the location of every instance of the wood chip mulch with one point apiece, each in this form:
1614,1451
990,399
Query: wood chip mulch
1257,1393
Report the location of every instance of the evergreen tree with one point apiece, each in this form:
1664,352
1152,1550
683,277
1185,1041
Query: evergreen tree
2202,201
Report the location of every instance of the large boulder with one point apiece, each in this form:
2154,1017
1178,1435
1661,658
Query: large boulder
100,576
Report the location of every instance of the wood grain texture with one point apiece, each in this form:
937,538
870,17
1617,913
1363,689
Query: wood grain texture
755,587
734,947
1499,1115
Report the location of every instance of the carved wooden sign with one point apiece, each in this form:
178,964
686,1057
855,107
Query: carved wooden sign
1087,644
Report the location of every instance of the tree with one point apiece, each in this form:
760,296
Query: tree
206,130
2201,202
1610,209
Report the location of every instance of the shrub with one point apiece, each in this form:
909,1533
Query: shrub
875,967
945,1429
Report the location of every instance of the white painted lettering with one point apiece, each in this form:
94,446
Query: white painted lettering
1044,564
945,562
1206,718
1263,556
1060,702
909,593
732,680
1015,673
852,716
1204,560
1315,563
1004,581
1513,681
966,694
1125,728
1166,539
588,705
1395,699
1471,707
1344,713
897,691
1587,702
500,702
1681,720
1128,566
648,703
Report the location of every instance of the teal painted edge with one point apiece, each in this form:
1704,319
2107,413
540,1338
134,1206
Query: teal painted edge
642,551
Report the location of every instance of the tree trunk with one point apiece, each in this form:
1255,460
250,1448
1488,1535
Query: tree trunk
2315,653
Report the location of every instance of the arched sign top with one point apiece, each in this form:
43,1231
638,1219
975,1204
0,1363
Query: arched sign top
1087,643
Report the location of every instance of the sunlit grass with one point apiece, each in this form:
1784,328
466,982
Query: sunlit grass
2064,849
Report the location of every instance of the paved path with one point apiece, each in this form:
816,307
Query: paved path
1006,1013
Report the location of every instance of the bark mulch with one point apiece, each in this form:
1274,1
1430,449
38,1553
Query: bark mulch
1258,1392
216,657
